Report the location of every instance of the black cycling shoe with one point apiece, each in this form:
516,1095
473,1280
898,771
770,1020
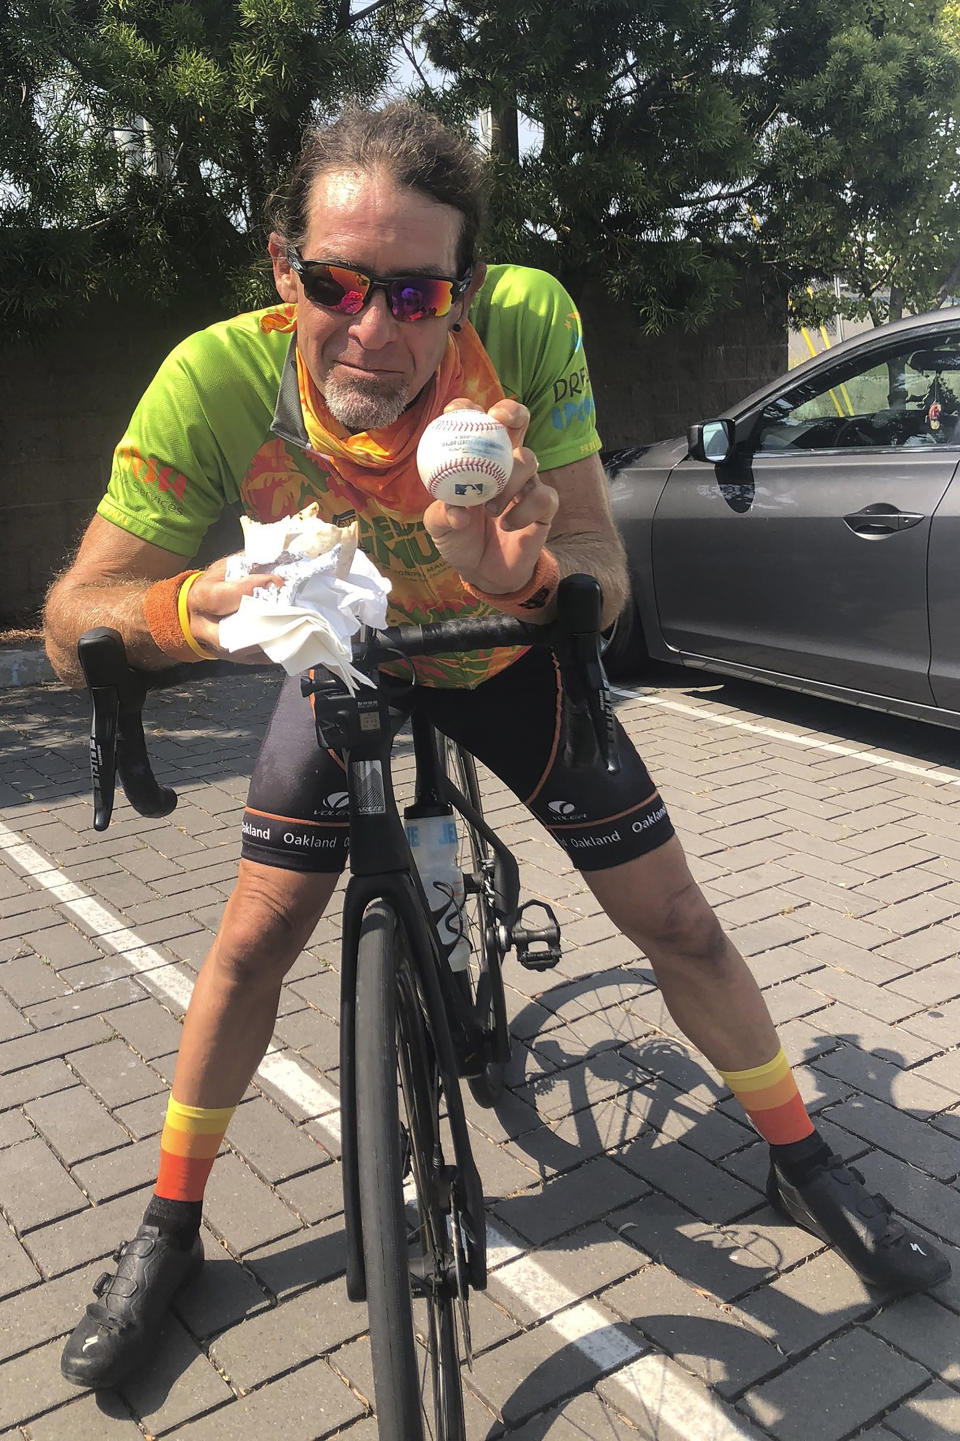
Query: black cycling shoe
835,1205
118,1330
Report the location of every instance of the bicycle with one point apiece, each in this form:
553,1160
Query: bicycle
410,1027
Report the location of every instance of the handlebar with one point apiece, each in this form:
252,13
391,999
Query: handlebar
574,636
117,743
118,692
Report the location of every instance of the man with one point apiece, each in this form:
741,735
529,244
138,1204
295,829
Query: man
323,398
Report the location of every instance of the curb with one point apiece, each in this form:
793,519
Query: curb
25,667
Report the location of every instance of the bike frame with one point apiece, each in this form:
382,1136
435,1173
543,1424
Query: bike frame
382,867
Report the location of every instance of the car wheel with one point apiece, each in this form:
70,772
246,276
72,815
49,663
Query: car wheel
626,649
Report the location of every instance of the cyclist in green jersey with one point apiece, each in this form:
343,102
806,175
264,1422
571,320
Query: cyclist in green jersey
387,318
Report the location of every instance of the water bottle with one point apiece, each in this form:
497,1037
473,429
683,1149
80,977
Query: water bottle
432,834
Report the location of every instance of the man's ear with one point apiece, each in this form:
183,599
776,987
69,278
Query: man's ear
283,276
476,280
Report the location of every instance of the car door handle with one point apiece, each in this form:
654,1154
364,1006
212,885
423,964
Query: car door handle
876,521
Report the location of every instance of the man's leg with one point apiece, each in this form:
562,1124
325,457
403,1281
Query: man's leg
715,1000
227,1029
615,827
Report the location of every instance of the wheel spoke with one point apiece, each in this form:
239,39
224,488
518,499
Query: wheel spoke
463,1295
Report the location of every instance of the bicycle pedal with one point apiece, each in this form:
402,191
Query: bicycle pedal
538,947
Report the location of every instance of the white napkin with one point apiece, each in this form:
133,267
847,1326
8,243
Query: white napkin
330,588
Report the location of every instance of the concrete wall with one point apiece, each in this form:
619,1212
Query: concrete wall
65,403
652,387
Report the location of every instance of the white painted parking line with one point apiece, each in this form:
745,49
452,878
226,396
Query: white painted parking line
287,1076
596,1333
674,1409
170,983
833,748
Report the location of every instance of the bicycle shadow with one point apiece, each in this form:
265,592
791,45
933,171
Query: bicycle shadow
693,1301
714,1289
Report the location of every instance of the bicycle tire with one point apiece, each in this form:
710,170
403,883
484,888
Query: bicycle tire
476,862
415,1278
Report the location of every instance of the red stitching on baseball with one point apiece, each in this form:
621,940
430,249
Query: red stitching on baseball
452,422
483,467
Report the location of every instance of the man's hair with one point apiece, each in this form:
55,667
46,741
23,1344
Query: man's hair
409,146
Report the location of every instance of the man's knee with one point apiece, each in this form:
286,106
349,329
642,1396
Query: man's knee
266,924
687,929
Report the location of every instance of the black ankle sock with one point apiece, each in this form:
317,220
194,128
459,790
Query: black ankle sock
178,1220
799,1159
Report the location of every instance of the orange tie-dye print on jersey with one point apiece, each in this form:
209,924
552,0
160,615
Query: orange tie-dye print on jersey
372,477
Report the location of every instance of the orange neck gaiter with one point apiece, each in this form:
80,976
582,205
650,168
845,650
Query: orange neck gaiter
383,463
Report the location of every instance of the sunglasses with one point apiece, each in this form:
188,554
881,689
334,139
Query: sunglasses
410,297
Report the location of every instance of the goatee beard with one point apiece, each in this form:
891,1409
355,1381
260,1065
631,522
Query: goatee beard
364,405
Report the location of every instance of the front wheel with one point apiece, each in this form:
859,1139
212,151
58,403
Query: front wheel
415,1273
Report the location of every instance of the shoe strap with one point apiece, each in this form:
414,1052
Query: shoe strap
140,1246
121,1285
105,1318
873,1204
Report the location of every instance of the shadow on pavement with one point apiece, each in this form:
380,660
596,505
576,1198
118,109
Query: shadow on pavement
726,1287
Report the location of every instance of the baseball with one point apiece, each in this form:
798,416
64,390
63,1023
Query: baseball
465,457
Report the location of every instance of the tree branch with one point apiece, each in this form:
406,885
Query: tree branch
408,50
687,202
345,20
948,286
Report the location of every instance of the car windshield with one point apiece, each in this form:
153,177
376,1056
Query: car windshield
908,397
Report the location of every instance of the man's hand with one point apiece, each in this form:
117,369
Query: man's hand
212,597
495,547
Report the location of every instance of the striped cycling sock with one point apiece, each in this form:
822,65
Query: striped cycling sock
190,1141
770,1098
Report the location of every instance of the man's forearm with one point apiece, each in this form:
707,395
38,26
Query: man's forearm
72,608
591,553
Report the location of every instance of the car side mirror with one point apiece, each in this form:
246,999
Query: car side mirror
713,441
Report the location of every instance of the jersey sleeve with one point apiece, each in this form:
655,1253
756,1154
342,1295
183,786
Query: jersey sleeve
167,480
531,330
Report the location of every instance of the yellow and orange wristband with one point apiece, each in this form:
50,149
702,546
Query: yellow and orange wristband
168,620
535,595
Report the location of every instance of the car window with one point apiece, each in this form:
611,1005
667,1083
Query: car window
908,397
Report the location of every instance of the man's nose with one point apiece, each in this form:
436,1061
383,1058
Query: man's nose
374,325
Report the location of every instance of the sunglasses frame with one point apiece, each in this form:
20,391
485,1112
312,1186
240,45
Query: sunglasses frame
458,285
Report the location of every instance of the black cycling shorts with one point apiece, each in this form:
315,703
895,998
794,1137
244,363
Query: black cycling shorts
296,808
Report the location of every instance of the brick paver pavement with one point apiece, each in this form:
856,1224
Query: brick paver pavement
639,1284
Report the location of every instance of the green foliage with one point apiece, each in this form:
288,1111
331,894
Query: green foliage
867,143
672,142
665,145
142,138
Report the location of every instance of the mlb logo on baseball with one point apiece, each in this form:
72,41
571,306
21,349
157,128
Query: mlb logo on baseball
465,457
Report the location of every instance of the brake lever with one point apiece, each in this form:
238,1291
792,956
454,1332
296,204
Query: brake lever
116,730
591,737
602,716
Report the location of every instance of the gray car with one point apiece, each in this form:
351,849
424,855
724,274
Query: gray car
818,547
